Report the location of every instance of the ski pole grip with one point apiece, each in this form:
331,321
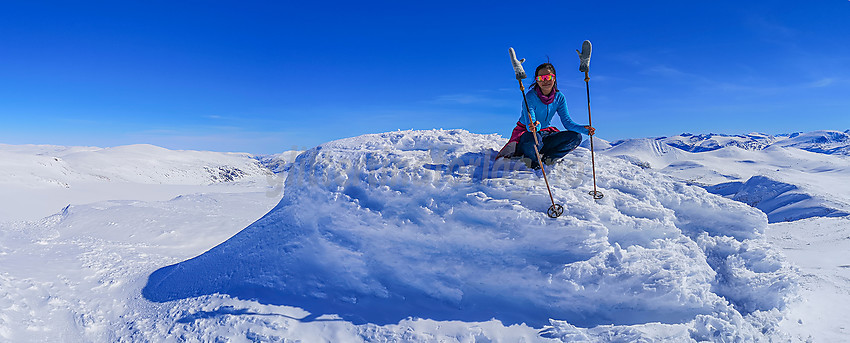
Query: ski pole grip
520,73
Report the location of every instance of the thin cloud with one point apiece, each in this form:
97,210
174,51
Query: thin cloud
825,82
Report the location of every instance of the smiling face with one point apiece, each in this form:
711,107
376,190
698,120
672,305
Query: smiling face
547,82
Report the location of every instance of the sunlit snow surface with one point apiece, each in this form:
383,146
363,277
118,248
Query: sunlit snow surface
38,180
374,229
416,236
789,177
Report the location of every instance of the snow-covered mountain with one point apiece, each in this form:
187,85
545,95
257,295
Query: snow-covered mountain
279,163
825,141
709,142
784,175
38,180
419,236
148,164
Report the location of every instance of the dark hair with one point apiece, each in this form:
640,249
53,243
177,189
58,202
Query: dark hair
551,68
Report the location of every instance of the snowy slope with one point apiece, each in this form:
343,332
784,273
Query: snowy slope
647,153
421,224
279,163
818,246
808,170
40,180
375,229
118,214
75,276
781,201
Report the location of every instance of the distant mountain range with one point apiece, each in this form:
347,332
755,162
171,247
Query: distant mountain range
38,180
825,141
788,176
811,169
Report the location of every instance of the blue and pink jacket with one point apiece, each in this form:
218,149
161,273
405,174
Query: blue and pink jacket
544,113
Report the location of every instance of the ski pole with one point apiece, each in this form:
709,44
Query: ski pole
555,210
584,56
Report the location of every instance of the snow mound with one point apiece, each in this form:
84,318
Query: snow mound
598,143
779,200
383,227
647,153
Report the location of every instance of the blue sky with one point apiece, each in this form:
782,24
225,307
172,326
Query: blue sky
270,76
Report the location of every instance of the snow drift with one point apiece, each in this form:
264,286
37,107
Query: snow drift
382,227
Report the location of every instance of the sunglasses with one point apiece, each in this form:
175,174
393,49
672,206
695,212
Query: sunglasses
547,77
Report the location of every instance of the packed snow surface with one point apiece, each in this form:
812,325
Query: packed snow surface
378,228
418,236
818,246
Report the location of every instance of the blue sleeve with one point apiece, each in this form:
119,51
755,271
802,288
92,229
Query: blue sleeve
569,124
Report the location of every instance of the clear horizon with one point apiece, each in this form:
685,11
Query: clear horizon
264,77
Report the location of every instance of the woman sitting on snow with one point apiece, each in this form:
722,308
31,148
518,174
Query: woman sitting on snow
544,99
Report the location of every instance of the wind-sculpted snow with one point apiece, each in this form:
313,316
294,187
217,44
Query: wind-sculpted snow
382,227
779,200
